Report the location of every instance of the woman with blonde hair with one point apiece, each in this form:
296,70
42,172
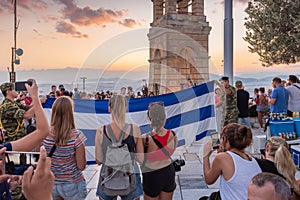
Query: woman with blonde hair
232,164
157,163
278,160
131,138
66,144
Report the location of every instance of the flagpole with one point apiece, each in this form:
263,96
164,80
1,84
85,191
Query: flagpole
228,41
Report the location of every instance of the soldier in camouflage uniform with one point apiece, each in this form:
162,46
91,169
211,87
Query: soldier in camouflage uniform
11,116
229,103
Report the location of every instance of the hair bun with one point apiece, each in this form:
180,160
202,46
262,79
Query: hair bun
243,130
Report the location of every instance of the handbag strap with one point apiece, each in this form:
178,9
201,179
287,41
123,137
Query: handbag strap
112,136
160,146
296,86
52,151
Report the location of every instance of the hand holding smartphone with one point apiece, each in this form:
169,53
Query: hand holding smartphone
20,85
215,140
16,163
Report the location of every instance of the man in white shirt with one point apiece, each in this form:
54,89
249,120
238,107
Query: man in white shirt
294,95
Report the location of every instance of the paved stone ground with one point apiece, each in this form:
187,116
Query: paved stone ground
190,181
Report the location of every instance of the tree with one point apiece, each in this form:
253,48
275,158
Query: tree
273,30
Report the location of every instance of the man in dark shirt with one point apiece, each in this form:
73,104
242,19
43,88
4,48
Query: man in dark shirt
242,104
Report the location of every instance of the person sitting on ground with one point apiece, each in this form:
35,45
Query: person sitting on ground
131,137
68,159
28,142
267,186
156,163
234,166
278,160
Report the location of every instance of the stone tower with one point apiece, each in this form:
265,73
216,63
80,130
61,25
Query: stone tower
178,45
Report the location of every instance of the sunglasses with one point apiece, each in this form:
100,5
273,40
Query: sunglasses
156,103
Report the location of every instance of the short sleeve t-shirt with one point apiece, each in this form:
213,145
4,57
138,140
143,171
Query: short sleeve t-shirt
63,162
282,97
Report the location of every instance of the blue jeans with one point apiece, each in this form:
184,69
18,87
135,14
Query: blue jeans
70,191
244,121
136,193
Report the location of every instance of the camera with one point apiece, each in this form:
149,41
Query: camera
16,163
178,163
20,86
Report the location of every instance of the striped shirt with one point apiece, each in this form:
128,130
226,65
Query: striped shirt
63,161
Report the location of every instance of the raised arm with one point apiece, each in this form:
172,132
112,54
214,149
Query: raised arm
32,140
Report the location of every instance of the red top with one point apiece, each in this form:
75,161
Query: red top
158,154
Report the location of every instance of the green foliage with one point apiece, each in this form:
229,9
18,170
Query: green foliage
273,30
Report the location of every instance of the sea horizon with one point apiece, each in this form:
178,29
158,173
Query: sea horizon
97,80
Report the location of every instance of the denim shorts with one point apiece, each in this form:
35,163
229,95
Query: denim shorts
136,193
70,191
262,108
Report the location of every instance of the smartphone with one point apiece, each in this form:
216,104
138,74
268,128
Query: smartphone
20,85
215,140
16,163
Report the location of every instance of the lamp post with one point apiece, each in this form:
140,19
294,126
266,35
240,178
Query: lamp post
83,83
228,41
14,51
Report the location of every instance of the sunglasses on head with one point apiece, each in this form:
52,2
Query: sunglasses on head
156,103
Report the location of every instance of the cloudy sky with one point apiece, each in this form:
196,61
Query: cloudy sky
66,33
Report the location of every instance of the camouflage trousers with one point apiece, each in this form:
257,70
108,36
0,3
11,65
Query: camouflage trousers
229,118
16,194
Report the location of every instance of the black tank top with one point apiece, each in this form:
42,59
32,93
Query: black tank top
129,141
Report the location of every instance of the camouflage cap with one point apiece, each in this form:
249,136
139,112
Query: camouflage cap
6,86
238,84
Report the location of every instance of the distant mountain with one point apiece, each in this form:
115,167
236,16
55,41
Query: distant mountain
98,80
72,75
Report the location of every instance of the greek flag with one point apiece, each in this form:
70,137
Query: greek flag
190,113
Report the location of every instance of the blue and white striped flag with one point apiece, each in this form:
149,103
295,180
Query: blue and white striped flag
190,113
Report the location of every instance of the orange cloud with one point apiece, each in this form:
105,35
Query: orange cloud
26,4
64,27
87,16
130,23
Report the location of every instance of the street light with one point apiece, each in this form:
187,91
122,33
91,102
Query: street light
14,51
83,83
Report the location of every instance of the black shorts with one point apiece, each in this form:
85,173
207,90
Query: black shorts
159,180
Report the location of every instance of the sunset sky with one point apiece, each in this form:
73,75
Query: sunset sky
65,33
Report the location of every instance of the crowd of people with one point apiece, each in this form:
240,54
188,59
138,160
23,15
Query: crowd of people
127,157
241,174
59,174
237,106
102,95
106,95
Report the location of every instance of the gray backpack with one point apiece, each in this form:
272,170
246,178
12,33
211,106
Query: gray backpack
117,172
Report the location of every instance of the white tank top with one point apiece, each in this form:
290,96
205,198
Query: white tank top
237,186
